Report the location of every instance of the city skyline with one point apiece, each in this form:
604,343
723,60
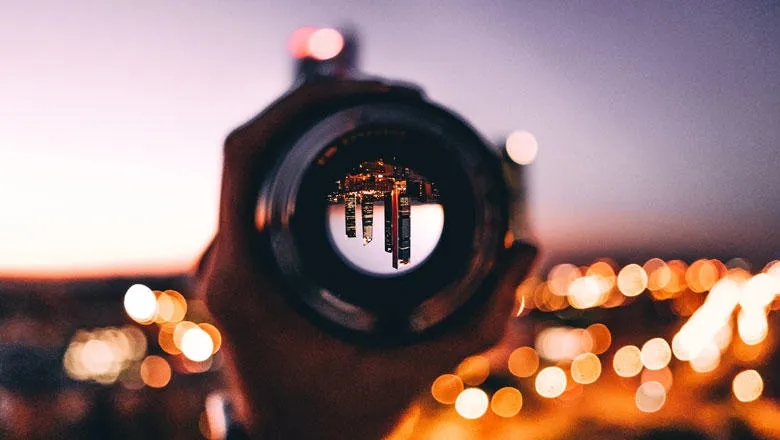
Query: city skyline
396,187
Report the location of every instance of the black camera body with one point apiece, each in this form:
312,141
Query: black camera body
435,213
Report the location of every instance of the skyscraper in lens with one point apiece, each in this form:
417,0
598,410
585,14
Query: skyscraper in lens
349,214
367,218
388,222
404,228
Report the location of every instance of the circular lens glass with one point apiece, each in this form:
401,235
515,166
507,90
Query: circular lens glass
384,218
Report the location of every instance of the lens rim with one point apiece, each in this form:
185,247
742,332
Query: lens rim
279,203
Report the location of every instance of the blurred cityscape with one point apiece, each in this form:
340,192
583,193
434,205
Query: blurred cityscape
662,349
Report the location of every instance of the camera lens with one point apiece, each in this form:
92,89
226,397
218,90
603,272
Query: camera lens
385,217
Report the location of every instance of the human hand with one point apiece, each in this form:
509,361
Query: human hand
300,381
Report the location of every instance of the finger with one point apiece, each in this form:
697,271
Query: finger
514,267
487,324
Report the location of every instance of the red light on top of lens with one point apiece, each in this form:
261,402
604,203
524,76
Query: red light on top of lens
320,44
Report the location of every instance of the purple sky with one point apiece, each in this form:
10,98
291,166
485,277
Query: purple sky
658,122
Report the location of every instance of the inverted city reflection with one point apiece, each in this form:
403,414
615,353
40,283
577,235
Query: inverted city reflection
407,204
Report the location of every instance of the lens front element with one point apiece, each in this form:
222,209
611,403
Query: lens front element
384,218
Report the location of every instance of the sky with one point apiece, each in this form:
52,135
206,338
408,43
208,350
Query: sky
658,123
426,225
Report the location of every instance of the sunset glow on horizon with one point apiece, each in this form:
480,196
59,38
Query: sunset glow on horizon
114,115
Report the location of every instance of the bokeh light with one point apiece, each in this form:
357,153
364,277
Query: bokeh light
155,372
588,291
507,402
104,354
299,41
214,333
171,306
562,343
656,354
550,382
196,344
561,276
748,386
140,304
603,270
663,376
473,370
601,337
97,357
759,292
523,362
753,326
650,397
165,338
521,147
446,388
472,403
658,274
546,301
632,280
586,368
701,275
627,361
179,331
707,359
325,44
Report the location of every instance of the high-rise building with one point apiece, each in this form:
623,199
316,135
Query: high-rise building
367,219
349,214
388,222
404,228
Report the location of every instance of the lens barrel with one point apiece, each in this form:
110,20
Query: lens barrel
411,172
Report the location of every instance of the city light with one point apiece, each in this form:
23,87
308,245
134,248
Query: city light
473,370
650,397
472,403
601,337
140,304
171,306
632,280
446,388
759,292
707,359
155,372
550,382
521,147
586,368
701,275
179,331
627,361
663,376
588,291
656,354
752,325
325,44
658,274
523,362
320,44
507,402
196,344
562,343
103,354
214,333
560,278
748,386
299,42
